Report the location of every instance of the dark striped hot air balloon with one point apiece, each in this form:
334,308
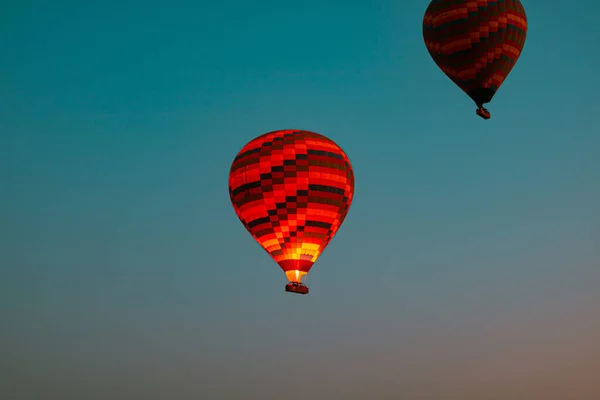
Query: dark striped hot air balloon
292,190
476,43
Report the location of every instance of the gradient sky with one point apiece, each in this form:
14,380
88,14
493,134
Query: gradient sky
468,266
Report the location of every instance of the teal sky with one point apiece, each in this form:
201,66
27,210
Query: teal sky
468,266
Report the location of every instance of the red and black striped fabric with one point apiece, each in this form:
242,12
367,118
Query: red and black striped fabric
475,42
292,190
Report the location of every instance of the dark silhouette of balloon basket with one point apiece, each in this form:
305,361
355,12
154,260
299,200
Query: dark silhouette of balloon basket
294,287
483,113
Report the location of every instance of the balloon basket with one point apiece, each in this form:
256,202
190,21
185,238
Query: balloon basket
298,288
483,113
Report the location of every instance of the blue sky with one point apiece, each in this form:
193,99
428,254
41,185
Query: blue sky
468,266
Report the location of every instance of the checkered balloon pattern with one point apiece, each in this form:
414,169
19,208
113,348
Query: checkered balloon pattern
476,43
292,190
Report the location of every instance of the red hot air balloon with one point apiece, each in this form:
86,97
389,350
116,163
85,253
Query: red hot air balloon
476,43
292,190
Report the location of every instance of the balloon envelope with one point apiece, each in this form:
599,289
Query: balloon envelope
292,190
476,43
